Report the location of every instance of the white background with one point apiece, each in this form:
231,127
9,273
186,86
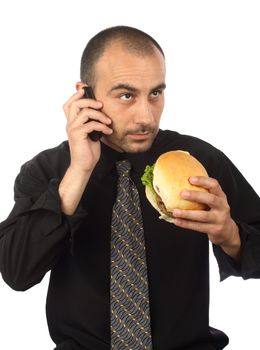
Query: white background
213,87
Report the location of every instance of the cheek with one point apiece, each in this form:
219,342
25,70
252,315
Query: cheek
156,112
120,127
118,122
119,116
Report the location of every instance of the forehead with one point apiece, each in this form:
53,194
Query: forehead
119,65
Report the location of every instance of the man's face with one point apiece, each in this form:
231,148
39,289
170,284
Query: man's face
131,88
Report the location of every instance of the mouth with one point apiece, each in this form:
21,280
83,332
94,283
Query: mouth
140,135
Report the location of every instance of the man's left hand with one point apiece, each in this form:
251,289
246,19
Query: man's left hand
216,222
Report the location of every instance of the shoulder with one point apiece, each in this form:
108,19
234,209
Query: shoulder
172,140
48,163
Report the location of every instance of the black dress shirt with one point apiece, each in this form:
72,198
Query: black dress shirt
38,237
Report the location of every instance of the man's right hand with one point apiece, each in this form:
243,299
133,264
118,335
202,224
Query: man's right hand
84,152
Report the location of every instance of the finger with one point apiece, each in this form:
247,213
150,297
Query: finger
193,225
77,106
82,132
89,103
73,106
75,97
194,215
85,116
79,96
209,199
96,126
89,113
208,183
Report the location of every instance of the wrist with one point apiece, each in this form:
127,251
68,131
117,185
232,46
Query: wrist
232,246
78,170
72,187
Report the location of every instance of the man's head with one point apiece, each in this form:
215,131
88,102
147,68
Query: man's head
126,69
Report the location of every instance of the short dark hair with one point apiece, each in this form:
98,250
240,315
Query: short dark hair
132,39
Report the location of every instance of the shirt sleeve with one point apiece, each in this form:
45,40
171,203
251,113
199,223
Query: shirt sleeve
36,233
245,210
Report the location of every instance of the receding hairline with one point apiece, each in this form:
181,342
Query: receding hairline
126,47
137,49
129,39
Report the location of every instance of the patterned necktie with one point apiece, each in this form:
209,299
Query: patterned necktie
130,313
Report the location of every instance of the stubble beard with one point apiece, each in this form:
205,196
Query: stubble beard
122,143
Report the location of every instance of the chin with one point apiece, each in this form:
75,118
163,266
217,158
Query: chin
128,146
137,148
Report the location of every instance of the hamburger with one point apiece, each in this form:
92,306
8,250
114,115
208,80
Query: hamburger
165,180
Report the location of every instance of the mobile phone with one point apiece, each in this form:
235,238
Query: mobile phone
88,93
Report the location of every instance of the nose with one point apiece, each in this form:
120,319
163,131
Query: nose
144,115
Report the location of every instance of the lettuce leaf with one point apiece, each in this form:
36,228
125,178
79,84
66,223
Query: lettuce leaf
147,178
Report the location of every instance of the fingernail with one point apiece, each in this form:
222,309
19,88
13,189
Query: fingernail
185,194
193,179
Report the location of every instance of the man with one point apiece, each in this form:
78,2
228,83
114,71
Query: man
64,198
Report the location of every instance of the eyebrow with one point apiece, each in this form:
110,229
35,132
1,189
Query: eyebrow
131,88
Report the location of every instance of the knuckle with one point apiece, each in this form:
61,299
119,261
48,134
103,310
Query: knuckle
205,216
212,200
215,183
227,208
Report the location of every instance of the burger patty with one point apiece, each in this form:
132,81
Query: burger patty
162,206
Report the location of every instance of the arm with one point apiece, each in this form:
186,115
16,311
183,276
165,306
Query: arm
84,152
35,234
38,230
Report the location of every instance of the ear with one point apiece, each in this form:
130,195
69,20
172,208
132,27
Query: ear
79,85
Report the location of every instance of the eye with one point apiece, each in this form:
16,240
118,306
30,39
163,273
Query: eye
156,93
126,97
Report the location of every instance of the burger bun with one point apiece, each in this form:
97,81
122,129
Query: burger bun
171,174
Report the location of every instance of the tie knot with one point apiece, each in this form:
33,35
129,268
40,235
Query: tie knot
123,167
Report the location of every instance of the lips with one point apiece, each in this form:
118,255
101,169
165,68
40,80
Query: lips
140,136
